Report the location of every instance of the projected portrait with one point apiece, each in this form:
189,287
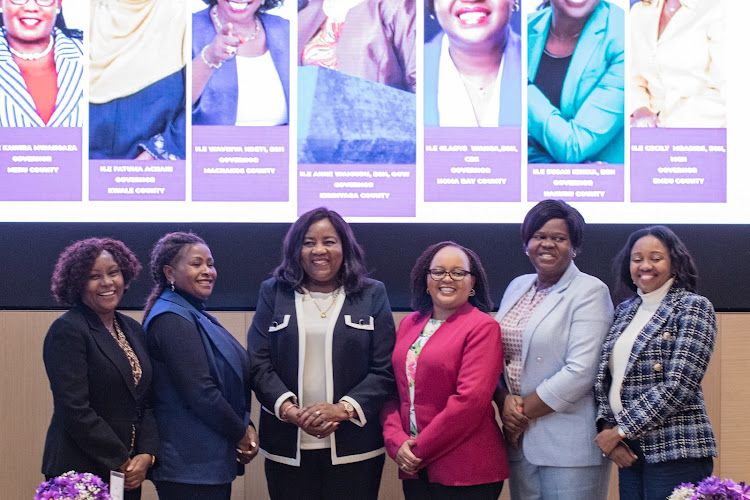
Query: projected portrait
41,66
356,81
240,64
472,68
137,76
576,82
371,39
677,79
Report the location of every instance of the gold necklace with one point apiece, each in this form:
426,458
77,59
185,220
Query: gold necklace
333,301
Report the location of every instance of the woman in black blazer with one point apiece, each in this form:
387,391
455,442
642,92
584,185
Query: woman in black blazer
98,370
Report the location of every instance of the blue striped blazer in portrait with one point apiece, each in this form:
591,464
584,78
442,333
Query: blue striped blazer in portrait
17,108
662,399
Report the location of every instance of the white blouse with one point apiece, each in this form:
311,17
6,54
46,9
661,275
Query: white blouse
618,361
454,103
260,100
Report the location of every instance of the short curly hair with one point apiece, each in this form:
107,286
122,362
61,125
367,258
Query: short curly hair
75,262
264,7
422,301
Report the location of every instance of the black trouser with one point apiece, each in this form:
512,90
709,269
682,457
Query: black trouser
318,479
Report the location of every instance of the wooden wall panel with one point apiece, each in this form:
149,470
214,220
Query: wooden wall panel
735,396
27,404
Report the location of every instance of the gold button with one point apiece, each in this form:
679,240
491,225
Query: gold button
657,367
667,336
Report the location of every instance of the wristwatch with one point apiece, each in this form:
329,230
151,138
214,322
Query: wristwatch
349,408
620,432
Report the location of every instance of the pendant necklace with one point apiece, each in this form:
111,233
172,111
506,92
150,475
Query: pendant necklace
333,301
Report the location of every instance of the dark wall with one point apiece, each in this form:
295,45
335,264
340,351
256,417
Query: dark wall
247,253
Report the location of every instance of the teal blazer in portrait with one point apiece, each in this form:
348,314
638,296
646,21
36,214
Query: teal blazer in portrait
589,126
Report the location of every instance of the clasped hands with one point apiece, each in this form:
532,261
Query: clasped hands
247,447
515,422
614,448
317,419
135,470
406,460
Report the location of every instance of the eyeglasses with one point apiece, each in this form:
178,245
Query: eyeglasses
455,274
40,3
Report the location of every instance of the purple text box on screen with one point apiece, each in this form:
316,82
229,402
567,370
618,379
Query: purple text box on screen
366,190
576,181
678,165
41,164
240,163
137,180
472,164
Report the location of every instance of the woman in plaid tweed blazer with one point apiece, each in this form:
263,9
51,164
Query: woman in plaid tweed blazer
655,427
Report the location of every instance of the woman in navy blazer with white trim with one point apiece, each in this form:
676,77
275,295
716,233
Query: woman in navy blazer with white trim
651,410
321,343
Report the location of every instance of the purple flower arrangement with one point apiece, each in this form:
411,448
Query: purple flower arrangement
711,488
73,486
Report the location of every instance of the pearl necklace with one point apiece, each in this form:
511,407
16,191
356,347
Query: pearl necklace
31,56
215,17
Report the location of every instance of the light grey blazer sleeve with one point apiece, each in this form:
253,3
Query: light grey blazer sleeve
560,355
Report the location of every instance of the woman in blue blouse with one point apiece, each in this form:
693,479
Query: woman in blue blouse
651,410
576,83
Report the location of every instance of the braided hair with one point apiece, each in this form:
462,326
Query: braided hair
164,253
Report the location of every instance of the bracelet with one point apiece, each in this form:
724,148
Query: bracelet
203,57
283,413
153,461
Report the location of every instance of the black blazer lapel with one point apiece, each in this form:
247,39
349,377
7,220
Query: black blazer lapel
109,347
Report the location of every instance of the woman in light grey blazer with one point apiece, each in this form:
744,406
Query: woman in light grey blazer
553,323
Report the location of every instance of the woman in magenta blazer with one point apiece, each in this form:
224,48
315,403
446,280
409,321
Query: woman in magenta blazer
441,428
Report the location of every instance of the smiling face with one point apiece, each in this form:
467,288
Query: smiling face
472,23
650,264
448,295
322,256
28,24
550,251
104,287
240,12
193,271
579,10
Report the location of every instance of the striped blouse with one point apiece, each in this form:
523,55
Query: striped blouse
17,108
